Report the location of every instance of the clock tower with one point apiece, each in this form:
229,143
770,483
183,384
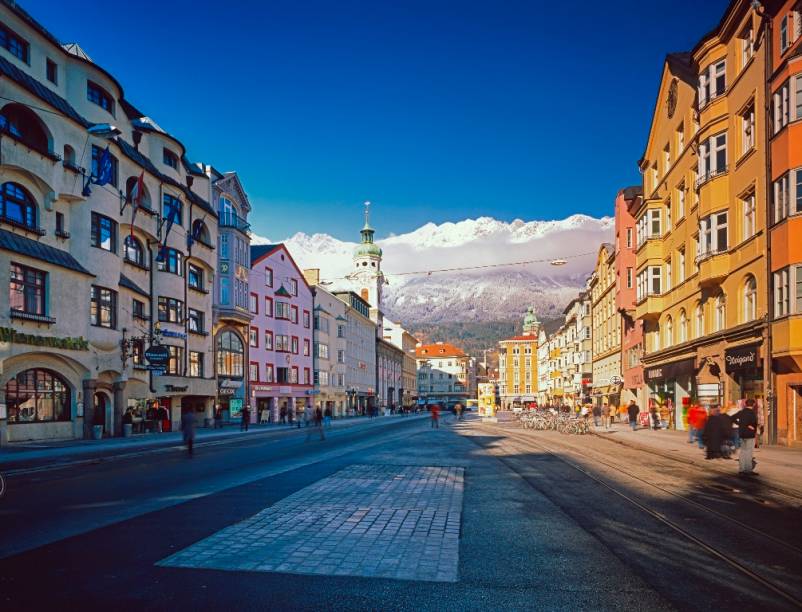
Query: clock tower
367,274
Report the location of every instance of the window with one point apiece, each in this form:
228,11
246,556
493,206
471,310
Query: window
294,314
283,310
629,278
51,71
788,195
680,138
649,226
175,362
340,356
680,201
171,260
294,375
169,158
668,216
223,240
681,266
171,310
230,355
294,345
103,307
138,310
134,253
785,40
269,372
700,321
172,209
195,321
37,395
282,375
104,233
682,332
268,340
781,293
253,303
225,290
17,206
195,277
253,337
61,230
648,282
750,299
781,106
629,237
293,286
720,306
306,319
322,378
268,307
712,235
322,351
196,364
712,157
27,288
341,331
747,45
306,347
14,44
668,330
307,380
282,343
97,155
668,274
97,95
712,82
748,129
138,351
748,210
666,159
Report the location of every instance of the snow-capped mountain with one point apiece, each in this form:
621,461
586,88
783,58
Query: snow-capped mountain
424,287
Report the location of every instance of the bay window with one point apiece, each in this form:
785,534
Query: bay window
712,235
648,282
712,82
788,291
712,157
103,307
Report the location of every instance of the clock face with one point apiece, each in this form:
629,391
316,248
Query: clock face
671,100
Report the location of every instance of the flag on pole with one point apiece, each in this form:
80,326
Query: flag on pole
136,198
172,215
104,168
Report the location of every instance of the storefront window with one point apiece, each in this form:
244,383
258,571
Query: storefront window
230,355
37,395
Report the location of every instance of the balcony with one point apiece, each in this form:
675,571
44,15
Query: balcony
714,266
650,307
232,219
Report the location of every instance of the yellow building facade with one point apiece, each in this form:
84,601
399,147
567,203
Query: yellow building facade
518,379
606,335
701,228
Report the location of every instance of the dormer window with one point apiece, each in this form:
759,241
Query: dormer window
97,95
170,159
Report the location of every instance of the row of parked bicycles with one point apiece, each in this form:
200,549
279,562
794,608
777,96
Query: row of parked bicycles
563,423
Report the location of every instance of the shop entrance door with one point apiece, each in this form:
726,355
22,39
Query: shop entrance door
796,415
100,410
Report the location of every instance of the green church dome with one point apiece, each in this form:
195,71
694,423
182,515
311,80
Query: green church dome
367,248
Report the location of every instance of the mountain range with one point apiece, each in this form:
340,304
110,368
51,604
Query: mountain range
427,280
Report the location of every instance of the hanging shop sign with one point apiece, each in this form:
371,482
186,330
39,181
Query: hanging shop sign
158,354
670,370
10,335
742,358
173,334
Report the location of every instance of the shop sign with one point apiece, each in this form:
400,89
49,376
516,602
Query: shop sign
175,389
10,335
235,408
312,391
741,358
671,370
227,383
173,334
226,391
157,354
260,388
284,390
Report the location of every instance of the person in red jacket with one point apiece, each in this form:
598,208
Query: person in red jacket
436,416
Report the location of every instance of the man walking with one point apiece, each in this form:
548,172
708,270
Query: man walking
716,433
435,416
188,429
747,430
597,415
633,411
246,419
317,423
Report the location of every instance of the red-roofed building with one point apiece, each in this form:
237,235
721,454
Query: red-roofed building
446,374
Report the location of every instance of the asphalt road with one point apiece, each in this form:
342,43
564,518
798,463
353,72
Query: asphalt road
536,532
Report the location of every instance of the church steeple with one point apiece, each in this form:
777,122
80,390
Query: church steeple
367,261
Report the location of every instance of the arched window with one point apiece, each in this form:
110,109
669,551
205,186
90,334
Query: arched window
200,232
17,206
668,328
230,355
750,299
130,186
721,313
37,395
23,124
69,156
683,326
134,252
699,317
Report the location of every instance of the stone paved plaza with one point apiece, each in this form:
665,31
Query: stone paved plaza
390,521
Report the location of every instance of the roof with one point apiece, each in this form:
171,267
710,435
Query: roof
524,338
37,250
632,192
439,349
260,250
129,284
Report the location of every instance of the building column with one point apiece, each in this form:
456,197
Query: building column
175,413
3,417
118,389
89,387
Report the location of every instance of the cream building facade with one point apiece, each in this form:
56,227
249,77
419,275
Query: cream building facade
606,329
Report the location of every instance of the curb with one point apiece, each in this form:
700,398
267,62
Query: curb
791,492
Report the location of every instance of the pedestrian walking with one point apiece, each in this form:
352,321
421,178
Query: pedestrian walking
458,411
435,411
327,417
188,430
605,412
246,420
747,423
218,418
633,410
655,417
316,424
597,415
309,415
716,433
282,415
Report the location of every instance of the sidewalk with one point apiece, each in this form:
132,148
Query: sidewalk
778,466
45,453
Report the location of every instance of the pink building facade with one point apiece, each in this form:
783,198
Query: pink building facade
626,269
281,337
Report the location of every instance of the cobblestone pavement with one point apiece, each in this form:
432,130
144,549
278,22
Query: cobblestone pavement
388,521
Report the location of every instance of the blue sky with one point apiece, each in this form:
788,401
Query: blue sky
435,111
